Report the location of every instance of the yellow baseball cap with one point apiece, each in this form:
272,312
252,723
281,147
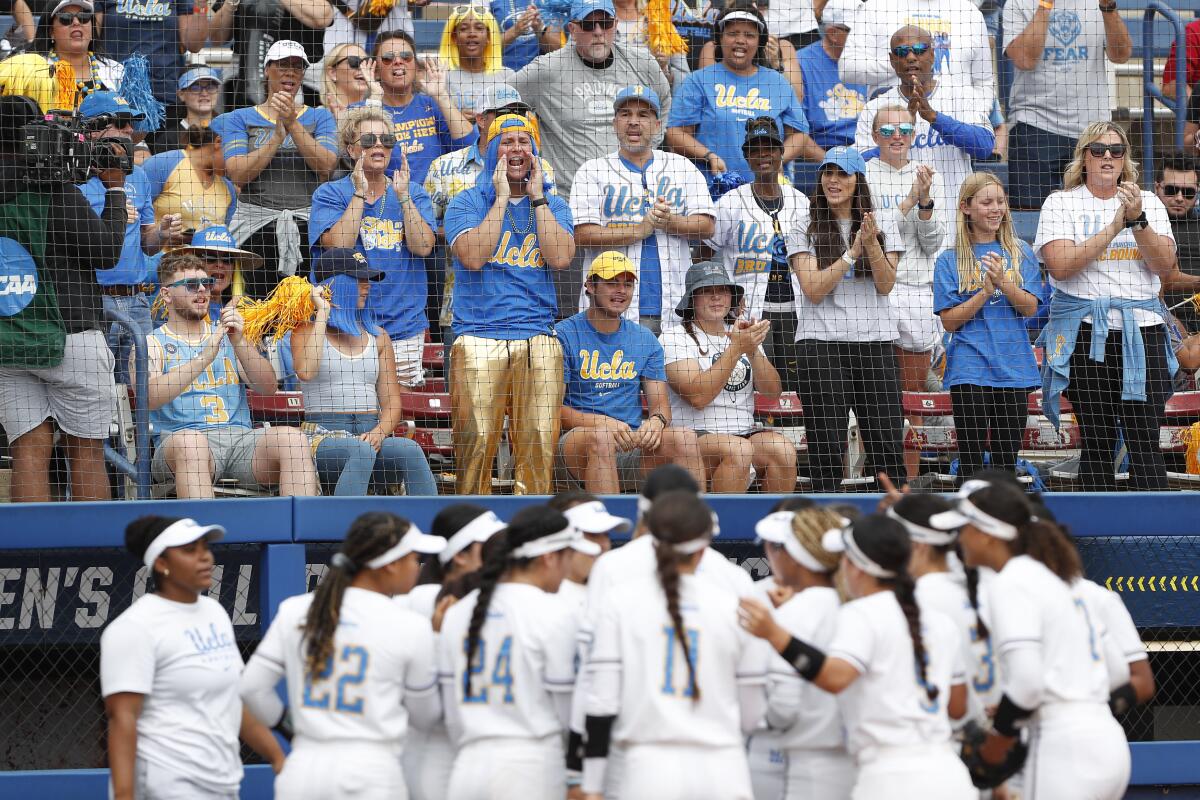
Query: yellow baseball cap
610,264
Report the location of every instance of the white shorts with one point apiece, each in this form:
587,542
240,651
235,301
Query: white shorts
919,328
346,770
1077,751
509,769
79,394
768,765
678,772
409,360
930,772
156,782
827,774
428,760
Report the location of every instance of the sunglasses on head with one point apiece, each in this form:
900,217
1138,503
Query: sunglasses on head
66,18
194,285
1188,192
477,10
918,49
354,61
1098,149
371,139
389,58
589,25
888,131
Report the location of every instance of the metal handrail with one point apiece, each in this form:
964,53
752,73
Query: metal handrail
1150,92
141,413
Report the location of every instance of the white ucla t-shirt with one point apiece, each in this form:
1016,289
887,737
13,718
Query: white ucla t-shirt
183,658
1077,215
732,410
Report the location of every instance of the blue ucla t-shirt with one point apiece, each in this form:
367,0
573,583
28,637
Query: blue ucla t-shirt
603,372
397,301
831,107
513,296
718,103
524,48
131,268
151,28
992,348
421,129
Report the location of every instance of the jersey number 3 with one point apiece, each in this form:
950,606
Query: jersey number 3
351,667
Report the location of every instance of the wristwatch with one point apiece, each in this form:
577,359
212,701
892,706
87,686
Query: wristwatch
1108,8
926,206
1138,223
538,203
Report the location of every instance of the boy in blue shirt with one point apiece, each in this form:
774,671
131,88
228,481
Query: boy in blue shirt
608,361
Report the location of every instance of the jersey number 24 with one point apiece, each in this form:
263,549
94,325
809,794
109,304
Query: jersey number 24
501,672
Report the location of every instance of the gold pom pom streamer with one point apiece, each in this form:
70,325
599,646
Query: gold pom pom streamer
1191,438
65,86
289,304
664,40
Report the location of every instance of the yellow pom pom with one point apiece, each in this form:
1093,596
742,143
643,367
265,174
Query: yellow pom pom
64,81
288,305
1196,302
664,40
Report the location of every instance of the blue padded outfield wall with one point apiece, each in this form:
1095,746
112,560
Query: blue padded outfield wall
63,576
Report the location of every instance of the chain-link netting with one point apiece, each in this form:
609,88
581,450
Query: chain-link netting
784,247
54,605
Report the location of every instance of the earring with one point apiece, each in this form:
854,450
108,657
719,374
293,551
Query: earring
166,573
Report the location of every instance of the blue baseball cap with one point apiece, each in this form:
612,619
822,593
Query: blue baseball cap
197,74
581,8
216,239
344,261
849,160
638,92
98,104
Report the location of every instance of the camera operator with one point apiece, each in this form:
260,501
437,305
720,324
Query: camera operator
55,367
125,283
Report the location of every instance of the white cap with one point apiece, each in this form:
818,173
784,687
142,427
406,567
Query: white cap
839,12
776,528
86,5
178,533
922,534
286,48
841,540
569,536
593,518
967,513
480,529
413,541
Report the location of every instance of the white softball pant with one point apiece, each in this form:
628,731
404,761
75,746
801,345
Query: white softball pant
1077,751
930,772
361,770
768,766
509,769
428,760
827,774
678,772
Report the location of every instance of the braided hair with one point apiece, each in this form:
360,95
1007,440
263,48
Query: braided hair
529,524
678,516
370,535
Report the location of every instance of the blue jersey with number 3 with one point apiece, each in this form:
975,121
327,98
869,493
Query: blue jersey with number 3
215,399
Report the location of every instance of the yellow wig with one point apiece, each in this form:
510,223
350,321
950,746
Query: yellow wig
448,50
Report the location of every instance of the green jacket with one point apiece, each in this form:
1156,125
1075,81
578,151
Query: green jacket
32,332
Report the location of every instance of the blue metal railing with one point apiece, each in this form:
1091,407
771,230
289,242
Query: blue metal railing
139,470
1150,92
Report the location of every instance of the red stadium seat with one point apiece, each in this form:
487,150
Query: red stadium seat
433,356
284,407
781,411
427,409
927,404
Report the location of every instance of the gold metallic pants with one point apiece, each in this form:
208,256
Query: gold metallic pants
491,377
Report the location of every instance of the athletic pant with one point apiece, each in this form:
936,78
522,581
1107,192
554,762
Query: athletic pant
835,377
1077,751
682,772
428,760
1095,394
827,774
348,770
509,769
768,765
780,346
978,409
928,772
489,377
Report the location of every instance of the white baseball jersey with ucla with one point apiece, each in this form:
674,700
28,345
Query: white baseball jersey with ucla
612,192
808,716
946,593
382,658
1115,617
526,656
182,657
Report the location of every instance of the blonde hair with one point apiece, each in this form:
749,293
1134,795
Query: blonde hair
969,271
355,117
492,57
809,526
1076,174
328,87
893,107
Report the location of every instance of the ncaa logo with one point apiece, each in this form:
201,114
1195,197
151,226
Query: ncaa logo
18,277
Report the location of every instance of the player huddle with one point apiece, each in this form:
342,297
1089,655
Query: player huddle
935,649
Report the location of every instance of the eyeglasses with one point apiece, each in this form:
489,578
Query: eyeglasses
888,131
367,140
354,61
1098,149
194,285
389,58
918,49
589,25
1170,190
66,18
204,86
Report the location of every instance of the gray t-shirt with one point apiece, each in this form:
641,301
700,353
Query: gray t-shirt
574,101
466,88
1068,89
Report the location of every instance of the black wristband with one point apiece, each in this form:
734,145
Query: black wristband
804,658
538,203
284,727
924,206
1138,223
1122,699
599,736
574,751
1008,714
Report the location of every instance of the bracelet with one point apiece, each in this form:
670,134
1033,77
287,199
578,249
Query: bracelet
361,197
707,155
661,418
405,198
538,203
1108,8
846,257
924,206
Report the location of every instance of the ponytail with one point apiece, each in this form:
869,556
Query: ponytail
906,593
972,574
1046,542
668,578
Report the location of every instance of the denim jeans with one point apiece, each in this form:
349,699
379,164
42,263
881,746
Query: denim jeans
137,308
351,465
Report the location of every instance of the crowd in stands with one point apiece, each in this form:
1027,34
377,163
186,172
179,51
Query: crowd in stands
532,166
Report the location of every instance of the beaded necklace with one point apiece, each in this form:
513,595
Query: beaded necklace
84,88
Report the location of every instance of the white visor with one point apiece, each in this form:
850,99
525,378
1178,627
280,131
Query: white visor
923,535
178,533
413,541
569,536
685,548
593,518
480,529
776,528
742,15
967,513
841,540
